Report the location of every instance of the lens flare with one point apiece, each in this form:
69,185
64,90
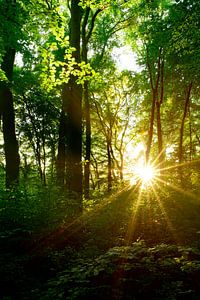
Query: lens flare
143,174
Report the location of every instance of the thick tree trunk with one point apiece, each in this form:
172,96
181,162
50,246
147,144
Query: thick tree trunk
69,160
85,40
74,142
74,115
86,110
8,118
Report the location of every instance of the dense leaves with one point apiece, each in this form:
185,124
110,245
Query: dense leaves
90,91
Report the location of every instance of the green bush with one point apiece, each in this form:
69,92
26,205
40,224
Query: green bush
132,272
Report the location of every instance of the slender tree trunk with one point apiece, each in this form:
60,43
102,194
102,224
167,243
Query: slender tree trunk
88,142
96,171
121,167
180,153
158,115
187,100
8,118
159,129
157,100
151,123
159,134
60,161
190,130
44,157
109,164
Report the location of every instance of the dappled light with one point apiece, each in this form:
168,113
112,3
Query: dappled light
99,149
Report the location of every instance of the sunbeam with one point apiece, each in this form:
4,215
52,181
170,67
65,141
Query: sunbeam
167,219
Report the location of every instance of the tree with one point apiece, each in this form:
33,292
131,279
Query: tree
85,40
9,14
70,131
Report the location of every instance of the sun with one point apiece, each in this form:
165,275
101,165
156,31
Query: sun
140,173
143,174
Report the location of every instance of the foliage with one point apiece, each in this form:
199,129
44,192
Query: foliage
136,271
123,245
33,208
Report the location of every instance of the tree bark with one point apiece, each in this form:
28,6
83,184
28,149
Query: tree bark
151,123
87,110
108,140
85,40
60,161
8,118
69,159
74,115
157,100
88,143
186,106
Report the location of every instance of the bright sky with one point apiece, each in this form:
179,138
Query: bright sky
19,59
123,56
126,59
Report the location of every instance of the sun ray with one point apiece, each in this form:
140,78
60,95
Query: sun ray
167,219
178,189
133,219
70,228
178,165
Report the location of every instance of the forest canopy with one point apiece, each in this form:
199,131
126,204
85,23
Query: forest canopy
69,112
99,98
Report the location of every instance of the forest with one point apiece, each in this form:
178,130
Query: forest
100,149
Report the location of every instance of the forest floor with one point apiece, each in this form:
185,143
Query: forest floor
131,245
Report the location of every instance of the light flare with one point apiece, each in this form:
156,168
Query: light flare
144,174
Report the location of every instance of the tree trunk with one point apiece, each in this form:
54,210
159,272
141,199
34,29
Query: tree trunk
87,110
74,142
85,40
150,131
69,160
121,172
8,118
158,106
88,143
180,153
190,130
187,100
157,99
74,115
60,162
109,164
159,134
